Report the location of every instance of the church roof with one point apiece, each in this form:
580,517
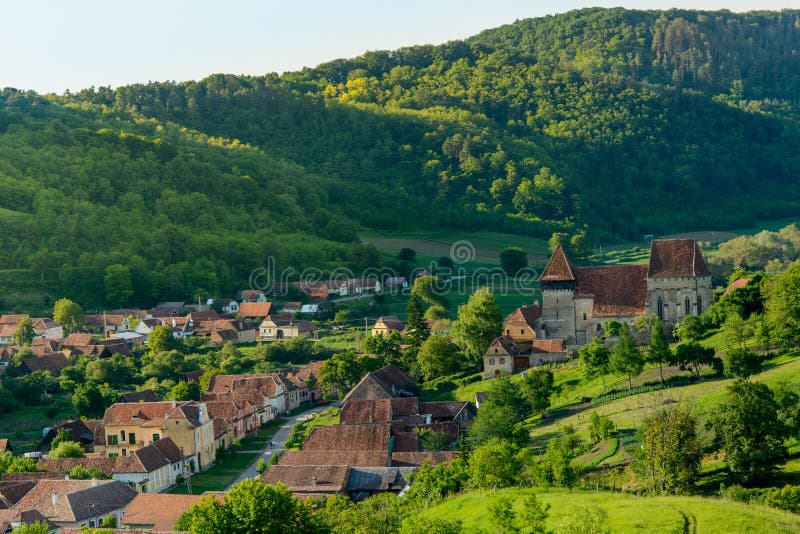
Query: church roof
618,290
676,258
559,268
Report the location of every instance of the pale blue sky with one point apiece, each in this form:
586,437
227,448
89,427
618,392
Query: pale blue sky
53,45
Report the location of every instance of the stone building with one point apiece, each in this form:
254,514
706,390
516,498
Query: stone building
576,301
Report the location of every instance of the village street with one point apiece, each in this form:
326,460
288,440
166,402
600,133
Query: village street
278,440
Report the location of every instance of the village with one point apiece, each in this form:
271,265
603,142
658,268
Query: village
144,445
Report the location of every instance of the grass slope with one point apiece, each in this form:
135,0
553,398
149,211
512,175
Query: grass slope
626,513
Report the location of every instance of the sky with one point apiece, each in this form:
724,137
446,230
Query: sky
53,45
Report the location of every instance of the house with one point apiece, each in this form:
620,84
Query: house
387,382
5,445
11,519
251,295
77,503
53,362
521,325
221,331
47,328
153,468
156,512
80,430
105,324
7,333
227,306
507,355
364,482
385,325
131,338
308,375
262,390
314,290
132,426
739,283
284,326
310,480
577,301
241,417
255,310
295,390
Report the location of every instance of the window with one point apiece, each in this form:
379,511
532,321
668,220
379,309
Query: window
584,316
660,308
699,305
688,307
491,361
131,438
156,437
124,452
508,332
495,351
113,440
122,435
113,455
502,361
521,330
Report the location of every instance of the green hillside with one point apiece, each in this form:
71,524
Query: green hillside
626,512
605,124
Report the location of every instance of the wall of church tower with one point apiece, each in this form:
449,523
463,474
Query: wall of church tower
558,313
667,298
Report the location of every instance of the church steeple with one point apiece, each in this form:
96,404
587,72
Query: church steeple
559,268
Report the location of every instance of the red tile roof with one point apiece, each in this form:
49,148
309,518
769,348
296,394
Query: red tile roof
348,438
526,315
548,345
13,319
74,498
54,362
406,442
76,339
618,290
736,284
5,445
355,458
255,309
676,258
309,478
157,511
150,414
559,268
366,411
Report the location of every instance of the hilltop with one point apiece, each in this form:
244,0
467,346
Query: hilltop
600,123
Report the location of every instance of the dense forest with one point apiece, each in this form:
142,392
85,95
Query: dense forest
607,121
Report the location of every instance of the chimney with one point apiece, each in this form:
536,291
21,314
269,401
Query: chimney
173,322
94,482
54,498
174,403
314,481
428,418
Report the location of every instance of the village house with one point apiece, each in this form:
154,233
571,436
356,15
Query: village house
78,503
132,426
251,295
284,326
507,355
263,391
314,290
226,306
153,468
11,519
385,325
291,307
308,374
385,383
255,311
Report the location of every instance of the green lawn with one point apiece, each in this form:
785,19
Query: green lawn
626,512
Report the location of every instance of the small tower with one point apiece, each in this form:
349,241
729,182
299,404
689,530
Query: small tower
558,283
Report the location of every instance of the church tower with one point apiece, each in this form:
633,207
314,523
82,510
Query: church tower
558,283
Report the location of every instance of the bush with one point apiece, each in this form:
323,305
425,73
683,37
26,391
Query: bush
786,498
741,363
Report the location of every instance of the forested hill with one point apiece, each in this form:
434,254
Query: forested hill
613,122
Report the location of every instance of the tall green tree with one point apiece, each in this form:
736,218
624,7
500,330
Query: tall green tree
750,431
68,313
24,333
118,283
160,339
783,306
659,351
479,323
671,452
513,260
251,507
537,388
595,359
417,330
438,356
626,358
692,355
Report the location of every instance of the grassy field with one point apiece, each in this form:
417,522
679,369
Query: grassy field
224,472
626,512
24,426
